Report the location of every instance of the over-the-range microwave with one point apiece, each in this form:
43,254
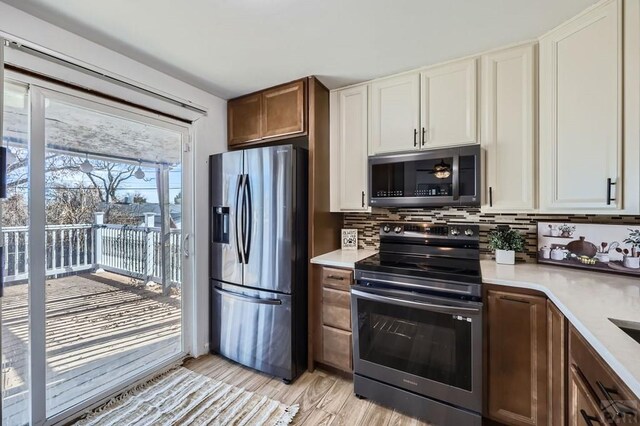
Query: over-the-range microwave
439,177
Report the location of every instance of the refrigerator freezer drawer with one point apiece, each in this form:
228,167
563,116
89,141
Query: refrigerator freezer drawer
253,328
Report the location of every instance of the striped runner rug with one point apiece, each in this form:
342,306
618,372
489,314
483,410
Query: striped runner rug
183,397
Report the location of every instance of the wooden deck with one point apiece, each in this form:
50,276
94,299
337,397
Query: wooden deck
100,327
324,398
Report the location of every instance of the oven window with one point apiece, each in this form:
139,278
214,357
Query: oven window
427,344
425,178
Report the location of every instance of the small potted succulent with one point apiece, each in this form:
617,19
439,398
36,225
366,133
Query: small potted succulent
632,258
506,242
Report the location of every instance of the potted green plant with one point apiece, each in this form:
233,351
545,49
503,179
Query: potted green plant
506,242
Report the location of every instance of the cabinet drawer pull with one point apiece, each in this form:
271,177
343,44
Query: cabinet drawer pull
609,184
620,409
362,198
424,132
589,420
335,277
415,137
513,299
490,196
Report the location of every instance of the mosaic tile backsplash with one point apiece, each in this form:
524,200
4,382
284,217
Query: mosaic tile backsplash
368,224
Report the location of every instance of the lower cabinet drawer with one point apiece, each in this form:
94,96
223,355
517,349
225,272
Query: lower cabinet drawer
583,408
339,279
615,399
336,348
336,308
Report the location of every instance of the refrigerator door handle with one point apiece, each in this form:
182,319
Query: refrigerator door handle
247,298
249,219
237,221
243,222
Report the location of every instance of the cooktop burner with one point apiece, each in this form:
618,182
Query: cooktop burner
435,252
470,274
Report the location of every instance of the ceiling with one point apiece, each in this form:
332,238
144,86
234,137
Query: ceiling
233,47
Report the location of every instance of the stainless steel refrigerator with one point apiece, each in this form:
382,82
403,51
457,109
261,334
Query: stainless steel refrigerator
258,258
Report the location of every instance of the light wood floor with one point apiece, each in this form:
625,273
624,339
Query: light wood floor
324,398
99,326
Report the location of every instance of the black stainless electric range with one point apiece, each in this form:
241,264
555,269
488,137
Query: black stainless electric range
417,323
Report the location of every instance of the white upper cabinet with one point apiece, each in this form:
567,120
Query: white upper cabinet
349,131
448,105
507,112
395,114
581,113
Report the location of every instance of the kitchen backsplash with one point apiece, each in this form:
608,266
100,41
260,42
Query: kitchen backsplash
368,224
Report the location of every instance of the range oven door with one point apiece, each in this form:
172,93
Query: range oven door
426,344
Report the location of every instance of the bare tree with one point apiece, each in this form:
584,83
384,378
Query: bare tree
15,211
138,198
72,205
107,177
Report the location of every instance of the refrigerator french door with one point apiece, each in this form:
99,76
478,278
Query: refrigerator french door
258,258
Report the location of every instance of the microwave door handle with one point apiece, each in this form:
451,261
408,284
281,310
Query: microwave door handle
413,304
456,177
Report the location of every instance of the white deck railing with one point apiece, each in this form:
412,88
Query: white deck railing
137,252
134,251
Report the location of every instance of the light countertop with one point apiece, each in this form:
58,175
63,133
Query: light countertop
342,258
588,300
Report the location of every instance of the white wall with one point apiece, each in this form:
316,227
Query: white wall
209,135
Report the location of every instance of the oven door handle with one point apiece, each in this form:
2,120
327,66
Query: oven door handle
391,282
414,304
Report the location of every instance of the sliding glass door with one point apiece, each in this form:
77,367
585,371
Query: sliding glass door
15,241
94,261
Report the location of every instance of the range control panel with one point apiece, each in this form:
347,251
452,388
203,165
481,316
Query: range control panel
426,230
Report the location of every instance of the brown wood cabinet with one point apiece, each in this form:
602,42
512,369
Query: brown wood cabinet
276,113
557,365
517,358
244,119
584,408
596,389
541,371
335,346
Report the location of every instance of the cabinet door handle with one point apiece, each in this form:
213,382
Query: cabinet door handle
415,137
589,420
424,133
335,277
609,184
362,198
620,409
513,299
490,196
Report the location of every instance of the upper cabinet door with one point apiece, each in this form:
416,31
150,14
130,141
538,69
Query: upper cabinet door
351,146
508,133
244,118
395,106
448,105
283,110
581,112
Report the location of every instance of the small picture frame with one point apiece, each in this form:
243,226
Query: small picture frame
349,239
